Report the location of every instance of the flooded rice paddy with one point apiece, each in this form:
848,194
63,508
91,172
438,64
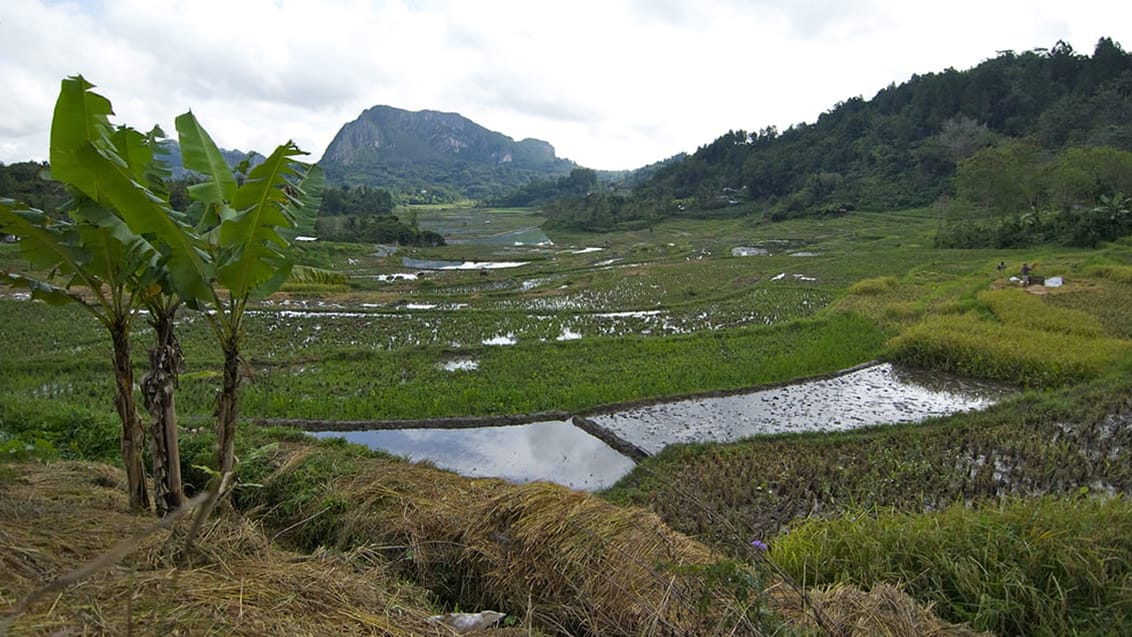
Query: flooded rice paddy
557,451
874,395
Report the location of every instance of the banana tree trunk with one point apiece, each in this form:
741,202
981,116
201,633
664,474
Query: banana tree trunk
166,363
133,433
227,409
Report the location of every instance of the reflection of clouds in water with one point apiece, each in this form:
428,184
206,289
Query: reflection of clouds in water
559,452
555,451
871,396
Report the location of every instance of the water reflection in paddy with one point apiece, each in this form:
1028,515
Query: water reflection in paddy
553,450
874,395
560,452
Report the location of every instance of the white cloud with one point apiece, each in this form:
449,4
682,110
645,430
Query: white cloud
609,84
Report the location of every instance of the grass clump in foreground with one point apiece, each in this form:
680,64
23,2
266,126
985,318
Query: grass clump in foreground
1049,565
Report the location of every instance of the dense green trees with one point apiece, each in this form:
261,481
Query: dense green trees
1014,194
902,147
361,200
31,183
376,229
579,183
365,214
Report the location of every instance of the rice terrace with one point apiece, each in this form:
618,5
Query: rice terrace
665,403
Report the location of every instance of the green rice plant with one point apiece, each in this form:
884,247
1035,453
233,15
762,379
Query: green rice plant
1011,353
1118,273
1060,442
542,376
1017,308
878,285
1107,301
1046,566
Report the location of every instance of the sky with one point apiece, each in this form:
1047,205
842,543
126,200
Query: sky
611,84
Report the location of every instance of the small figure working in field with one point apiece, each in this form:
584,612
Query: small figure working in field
1001,266
1026,269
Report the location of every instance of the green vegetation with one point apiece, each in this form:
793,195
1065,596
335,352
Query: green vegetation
579,183
746,264
1049,565
1008,196
902,147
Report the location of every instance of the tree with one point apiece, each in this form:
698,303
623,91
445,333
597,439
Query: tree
246,230
105,244
125,244
1002,179
961,136
100,253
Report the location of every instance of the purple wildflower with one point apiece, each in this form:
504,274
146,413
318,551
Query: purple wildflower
759,544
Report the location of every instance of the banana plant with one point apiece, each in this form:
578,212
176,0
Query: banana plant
116,169
241,247
107,269
166,360
247,229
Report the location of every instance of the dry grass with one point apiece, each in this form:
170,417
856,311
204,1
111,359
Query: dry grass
564,559
53,518
567,562
885,610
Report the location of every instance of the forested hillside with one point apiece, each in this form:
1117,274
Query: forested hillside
900,149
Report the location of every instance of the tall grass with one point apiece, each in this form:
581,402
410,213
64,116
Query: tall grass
1017,308
1046,566
1008,334
1007,352
1118,273
877,285
49,430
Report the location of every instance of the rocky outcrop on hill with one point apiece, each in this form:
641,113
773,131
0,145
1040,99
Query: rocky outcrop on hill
410,151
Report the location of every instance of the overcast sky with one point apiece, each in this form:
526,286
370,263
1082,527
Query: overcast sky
610,83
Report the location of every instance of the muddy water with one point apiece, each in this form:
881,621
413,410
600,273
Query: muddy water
556,451
560,452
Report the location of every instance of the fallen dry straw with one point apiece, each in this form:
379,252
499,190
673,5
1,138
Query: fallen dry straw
565,562
55,518
884,610
563,559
